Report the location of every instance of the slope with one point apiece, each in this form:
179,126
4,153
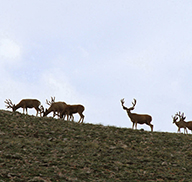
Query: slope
47,149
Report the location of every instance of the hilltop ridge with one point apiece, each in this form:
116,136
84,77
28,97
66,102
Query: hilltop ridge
46,149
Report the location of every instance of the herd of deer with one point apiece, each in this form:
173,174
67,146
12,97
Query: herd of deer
61,109
146,119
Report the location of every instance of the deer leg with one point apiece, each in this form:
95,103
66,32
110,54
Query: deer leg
133,125
81,118
61,115
136,125
53,114
38,112
72,118
185,130
67,116
151,127
37,109
24,110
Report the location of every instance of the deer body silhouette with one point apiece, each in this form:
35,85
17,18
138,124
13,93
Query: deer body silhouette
137,118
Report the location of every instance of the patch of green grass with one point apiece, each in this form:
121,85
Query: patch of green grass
47,149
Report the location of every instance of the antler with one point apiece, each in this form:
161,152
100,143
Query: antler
9,103
122,101
178,114
134,102
52,99
175,118
181,116
50,102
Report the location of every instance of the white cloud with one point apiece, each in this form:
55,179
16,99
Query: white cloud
9,50
57,84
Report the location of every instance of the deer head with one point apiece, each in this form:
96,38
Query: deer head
9,104
41,109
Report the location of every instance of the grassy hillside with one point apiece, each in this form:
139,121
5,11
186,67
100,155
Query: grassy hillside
46,149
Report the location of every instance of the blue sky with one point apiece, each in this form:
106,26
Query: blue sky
98,52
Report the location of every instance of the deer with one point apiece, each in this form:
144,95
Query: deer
50,103
181,123
137,118
188,124
58,107
56,112
25,104
72,109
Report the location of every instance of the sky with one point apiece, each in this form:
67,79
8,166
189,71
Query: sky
96,52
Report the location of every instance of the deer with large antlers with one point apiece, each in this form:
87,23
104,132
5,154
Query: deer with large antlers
25,104
56,107
183,123
137,118
72,109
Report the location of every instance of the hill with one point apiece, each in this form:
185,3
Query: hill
47,149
